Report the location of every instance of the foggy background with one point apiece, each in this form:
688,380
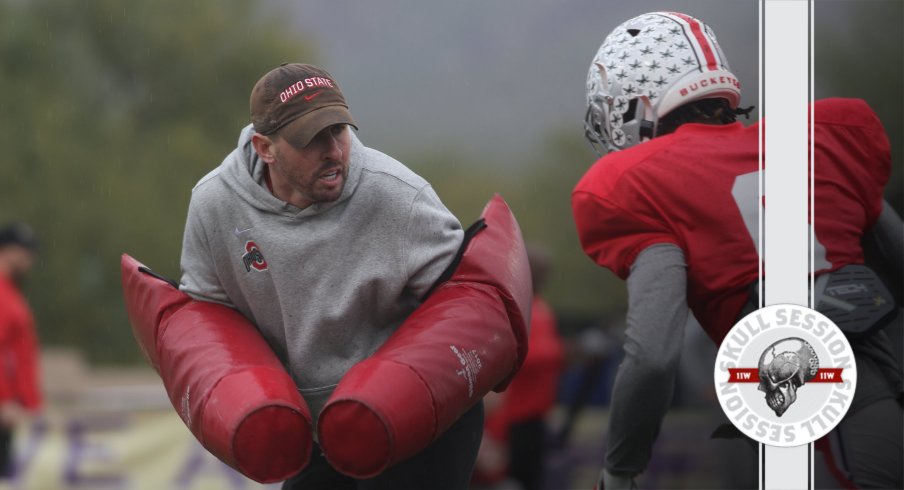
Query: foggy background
111,111
489,78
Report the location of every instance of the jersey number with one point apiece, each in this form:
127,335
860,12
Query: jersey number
746,195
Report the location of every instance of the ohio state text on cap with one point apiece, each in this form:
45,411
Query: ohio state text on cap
303,99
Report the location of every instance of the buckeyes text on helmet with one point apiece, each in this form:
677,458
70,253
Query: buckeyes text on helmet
647,67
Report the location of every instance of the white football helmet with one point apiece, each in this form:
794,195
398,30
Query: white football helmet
646,68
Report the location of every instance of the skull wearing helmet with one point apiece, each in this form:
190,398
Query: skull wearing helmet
784,367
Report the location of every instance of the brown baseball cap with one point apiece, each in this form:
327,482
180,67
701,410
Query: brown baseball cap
302,98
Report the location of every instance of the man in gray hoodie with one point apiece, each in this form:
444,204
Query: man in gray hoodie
326,246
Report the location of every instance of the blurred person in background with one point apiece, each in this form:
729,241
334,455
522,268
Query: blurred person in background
595,351
661,210
19,384
515,435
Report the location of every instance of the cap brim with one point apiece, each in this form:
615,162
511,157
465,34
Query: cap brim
302,130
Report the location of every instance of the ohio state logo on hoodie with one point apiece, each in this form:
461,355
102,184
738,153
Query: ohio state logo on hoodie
253,258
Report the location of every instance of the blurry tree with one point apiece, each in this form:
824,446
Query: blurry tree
578,287
539,193
109,113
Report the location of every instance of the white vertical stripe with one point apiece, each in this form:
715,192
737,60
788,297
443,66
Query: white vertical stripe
786,94
811,226
759,243
813,266
787,468
787,257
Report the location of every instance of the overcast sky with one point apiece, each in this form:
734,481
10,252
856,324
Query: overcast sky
494,76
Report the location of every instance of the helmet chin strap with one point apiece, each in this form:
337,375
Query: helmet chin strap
648,126
647,130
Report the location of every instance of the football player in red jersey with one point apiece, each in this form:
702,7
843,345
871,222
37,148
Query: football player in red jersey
672,208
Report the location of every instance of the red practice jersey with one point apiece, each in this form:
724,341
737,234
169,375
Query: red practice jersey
18,349
532,393
697,188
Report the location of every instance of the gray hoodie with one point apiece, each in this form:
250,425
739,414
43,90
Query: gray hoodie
325,285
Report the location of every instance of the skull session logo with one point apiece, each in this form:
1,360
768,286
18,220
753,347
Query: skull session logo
253,258
785,375
782,373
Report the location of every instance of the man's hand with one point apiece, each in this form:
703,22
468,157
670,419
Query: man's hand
12,414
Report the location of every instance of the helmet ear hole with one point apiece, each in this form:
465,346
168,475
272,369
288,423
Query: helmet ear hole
633,32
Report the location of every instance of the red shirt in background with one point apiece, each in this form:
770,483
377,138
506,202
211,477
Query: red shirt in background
18,349
532,393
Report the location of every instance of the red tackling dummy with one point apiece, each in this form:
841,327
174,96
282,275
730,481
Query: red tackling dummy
468,337
221,377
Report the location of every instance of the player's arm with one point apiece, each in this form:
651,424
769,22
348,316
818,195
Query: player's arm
657,313
883,246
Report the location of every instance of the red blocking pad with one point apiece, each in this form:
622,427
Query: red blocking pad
221,377
467,338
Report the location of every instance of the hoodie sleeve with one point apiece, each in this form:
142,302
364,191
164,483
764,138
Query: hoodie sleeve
431,241
199,273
